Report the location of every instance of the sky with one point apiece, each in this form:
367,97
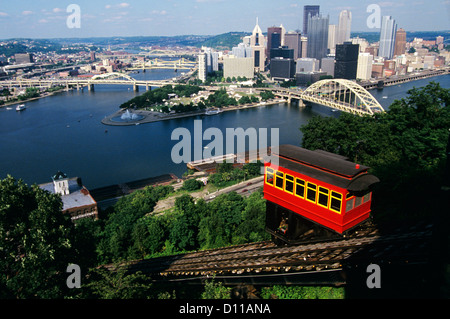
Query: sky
107,18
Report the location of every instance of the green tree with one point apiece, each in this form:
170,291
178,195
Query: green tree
184,229
419,124
192,185
252,227
117,284
116,241
147,236
36,242
218,227
215,290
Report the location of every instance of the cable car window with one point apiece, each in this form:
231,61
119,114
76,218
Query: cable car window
366,197
311,192
336,202
279,181
322,200
358,201
289,184
300,188
269,176
349,205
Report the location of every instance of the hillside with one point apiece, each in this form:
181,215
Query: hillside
224,41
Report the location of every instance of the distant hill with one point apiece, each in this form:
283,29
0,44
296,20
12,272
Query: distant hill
224,41
410,35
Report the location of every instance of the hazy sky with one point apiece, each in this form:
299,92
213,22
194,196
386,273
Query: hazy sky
48,18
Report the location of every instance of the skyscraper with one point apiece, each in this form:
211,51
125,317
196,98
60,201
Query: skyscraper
343,30
332,38
273,38
400,42
258,44
293,40
364,71
309,11
387,37
346,61
317,37
202,67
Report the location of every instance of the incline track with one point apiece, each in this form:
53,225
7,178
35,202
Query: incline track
265,258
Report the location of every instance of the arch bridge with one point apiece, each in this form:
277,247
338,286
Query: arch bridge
114,78
164,64
339,94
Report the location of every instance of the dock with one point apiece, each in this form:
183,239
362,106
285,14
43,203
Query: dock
209,165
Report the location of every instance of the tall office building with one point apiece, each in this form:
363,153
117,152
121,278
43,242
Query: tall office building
202,67
387,37
304,41
327,65
400,42
293,40
273,38
283,34
346,61
309,11
282,69
332,38
237,67
282,63
364,70
344,26
258,44
318,37
282,52
242,51
307,65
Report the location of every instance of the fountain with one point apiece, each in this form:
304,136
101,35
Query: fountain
127,116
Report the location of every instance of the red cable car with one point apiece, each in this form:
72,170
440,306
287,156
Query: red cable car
314,194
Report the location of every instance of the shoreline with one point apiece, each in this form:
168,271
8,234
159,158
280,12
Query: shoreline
150,117
45,94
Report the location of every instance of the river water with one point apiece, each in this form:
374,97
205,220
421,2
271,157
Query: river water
64,132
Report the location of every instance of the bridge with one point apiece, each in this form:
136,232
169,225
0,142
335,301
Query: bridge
164,64
339,94
114,78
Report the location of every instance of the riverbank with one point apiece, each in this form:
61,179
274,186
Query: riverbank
41,96
150,116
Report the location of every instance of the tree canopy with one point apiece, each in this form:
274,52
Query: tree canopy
36,245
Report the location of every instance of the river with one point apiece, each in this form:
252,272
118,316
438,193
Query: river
64,132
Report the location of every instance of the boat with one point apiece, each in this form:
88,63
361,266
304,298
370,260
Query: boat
213,111
20,107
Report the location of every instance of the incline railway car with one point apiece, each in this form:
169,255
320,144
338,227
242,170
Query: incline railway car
314,193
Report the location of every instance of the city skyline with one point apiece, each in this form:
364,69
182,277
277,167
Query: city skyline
104,18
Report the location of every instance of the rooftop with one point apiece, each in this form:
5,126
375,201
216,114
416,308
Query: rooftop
78,197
